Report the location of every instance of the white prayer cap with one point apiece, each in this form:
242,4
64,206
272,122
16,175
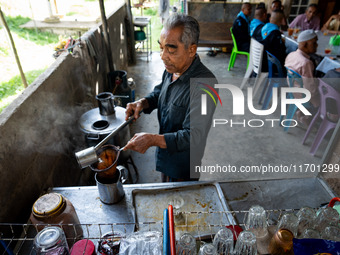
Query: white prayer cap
306,35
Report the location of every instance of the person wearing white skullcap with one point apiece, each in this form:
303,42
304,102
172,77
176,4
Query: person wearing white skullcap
306,35
300,62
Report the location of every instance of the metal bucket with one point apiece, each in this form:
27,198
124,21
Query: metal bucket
110,193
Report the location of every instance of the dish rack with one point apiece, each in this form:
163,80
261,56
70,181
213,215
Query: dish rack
18,238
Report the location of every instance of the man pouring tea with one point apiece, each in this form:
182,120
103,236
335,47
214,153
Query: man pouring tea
183,128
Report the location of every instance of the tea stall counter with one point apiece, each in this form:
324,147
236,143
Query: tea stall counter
229,206
281,194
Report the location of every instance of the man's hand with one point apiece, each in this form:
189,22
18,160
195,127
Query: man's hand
135,108
140,142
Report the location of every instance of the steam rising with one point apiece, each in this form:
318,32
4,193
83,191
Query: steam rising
52,130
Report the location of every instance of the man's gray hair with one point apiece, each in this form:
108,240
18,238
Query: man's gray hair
191,28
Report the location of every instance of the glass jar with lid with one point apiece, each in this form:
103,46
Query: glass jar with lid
55,209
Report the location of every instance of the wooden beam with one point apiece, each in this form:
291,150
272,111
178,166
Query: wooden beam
129,27
3,21
106,35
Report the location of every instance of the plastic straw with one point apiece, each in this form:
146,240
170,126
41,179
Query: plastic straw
166,236
172,231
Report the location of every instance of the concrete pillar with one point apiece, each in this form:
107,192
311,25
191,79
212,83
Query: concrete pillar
49,8
51,18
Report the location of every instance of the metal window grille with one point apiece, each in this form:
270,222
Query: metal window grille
298,7
18,238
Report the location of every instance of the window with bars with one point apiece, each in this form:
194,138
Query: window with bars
298,7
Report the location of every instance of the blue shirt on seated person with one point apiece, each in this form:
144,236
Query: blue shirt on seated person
241,28
272,40
257,23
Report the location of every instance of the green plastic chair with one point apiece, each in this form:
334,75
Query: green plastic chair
235,51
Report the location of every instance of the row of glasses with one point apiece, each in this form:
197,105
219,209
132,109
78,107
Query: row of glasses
309,224
305,224
223,243
293,32
325,225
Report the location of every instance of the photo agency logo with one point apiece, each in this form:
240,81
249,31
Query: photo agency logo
285,94
209,90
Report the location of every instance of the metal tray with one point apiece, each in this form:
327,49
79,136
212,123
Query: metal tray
282,194
193,206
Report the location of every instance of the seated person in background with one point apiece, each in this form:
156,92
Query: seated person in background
261,5
333,24
307,20
241,28
300,62
257,23
332,79
272,39
277,6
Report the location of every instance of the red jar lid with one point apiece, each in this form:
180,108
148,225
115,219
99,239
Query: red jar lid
83,247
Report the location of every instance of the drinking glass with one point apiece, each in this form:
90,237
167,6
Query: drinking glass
326,217
246,244
289,221
296,33
224,241
290,31
306,217
328,49
207,249
186,245
51,240
331,233
310,233
281,242
257,221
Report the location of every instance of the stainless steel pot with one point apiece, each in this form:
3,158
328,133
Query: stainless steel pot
97,127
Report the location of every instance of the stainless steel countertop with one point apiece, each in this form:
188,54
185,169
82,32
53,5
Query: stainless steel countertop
240,196
99,218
